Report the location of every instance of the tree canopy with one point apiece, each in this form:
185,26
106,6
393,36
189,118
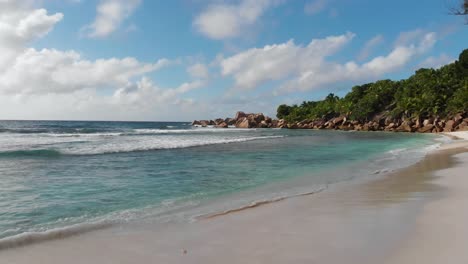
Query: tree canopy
428,92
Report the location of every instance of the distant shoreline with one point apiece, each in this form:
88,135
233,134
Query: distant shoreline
458,122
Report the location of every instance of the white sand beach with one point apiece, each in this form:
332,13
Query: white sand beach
416,215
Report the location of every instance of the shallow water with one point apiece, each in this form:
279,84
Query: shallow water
58,174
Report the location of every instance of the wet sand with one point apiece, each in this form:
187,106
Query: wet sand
416,215
441,233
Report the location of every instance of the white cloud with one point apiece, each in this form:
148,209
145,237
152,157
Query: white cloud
224,21
370,46
306,67
19,26
275,62
110,15
53,71
55,84
436,62
198,70
314,7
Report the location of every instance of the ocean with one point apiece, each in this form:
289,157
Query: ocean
77,175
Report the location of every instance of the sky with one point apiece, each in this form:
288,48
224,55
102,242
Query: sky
196,59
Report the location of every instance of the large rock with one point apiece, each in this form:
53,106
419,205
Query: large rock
365,127
196,123
218,121
204,123
230,121
463,126
428,121
449,126
440,124
318,124
339,120
406,126
458,118
222,125
388,121
263,124
426,129
375,126
418,123
258,117
240,115
294,125
281,123
245,123
381,120
392,125
330,124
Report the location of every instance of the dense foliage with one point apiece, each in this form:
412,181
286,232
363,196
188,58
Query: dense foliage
428,92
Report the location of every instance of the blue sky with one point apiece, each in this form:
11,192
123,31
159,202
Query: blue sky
187,59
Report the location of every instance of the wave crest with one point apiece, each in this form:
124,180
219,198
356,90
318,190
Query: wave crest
128,146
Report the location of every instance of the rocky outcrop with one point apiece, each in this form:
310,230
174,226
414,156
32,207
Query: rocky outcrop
230,121
222,125
449,126
242,120
406,126
240,115
382,122
244,123
204,123
426,129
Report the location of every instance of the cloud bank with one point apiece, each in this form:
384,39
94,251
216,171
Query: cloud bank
305,68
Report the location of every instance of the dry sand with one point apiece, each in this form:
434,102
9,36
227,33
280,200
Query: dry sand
407,217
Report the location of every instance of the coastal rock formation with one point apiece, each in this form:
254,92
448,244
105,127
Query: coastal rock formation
426,129
239,115
244,123
382,122
204,123
222,125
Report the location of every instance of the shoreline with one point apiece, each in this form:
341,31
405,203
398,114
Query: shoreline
271,192
390,205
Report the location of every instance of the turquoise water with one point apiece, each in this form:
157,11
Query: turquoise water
59,174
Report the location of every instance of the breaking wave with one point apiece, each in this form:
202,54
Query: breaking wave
148,144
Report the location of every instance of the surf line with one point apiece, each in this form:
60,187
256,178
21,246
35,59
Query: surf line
256,204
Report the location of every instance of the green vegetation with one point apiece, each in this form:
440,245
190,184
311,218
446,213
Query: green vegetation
429,92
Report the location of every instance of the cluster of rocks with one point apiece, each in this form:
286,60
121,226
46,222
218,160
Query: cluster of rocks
241,120
379,123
